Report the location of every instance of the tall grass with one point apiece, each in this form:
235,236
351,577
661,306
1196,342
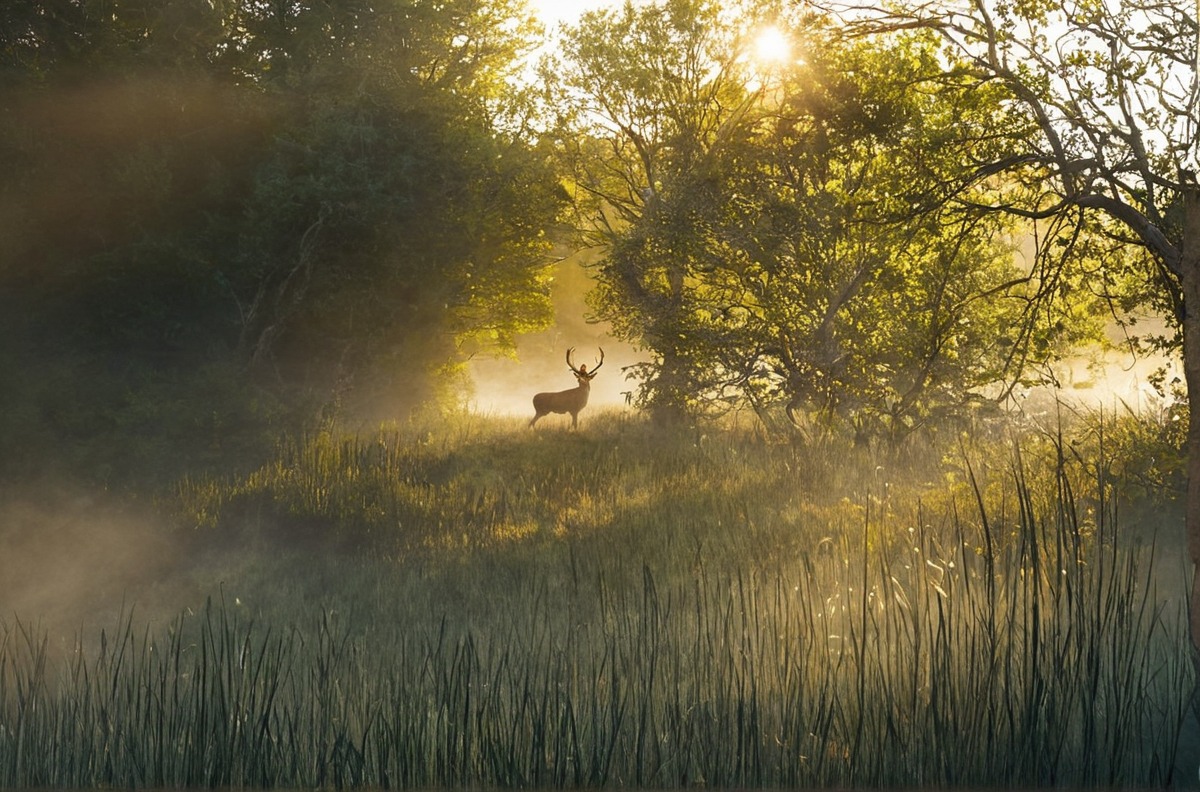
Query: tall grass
670,618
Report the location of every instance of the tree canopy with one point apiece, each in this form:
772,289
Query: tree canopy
219,215
784,234
1112,144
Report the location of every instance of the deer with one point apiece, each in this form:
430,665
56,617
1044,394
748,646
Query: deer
568,401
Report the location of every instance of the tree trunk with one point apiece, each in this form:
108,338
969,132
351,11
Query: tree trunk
1189,261
1187,751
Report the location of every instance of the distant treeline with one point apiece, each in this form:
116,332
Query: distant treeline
224,220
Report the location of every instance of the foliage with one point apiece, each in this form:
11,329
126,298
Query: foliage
344,200
1112,91
783,236
379,236
1146,447
332,198
1112,94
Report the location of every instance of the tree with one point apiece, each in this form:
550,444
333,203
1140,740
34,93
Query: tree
127,157
860,291
781,235
1112,94
652,92
383,234
220,206
401,212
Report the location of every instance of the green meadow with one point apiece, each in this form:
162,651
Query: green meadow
471,604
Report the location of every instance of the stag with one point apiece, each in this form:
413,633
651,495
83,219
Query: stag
568,401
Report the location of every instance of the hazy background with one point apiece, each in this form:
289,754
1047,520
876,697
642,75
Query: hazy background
1108,379
505,386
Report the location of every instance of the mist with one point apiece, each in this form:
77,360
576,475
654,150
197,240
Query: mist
1112,379
505,387
1109,378
73,559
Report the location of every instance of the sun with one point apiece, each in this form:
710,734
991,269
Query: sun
772,47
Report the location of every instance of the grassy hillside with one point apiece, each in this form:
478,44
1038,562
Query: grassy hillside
475,604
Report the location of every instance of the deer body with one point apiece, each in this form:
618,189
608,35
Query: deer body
567,401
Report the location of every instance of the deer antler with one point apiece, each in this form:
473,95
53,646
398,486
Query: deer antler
583,369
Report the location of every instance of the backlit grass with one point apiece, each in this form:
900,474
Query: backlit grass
482,606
